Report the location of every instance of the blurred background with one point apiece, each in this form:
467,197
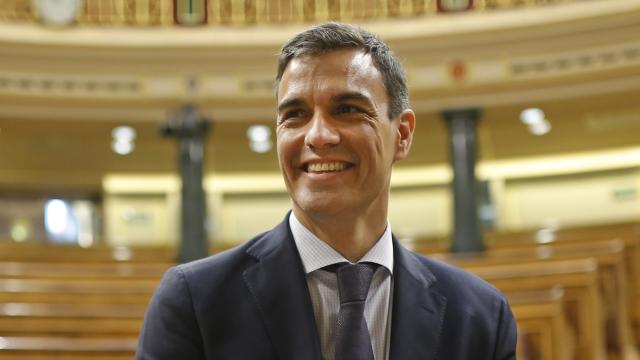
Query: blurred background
83,99
87,87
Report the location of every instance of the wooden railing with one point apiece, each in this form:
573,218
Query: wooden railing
159,13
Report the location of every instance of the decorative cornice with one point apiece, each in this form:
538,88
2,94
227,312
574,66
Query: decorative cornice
403,29
481,58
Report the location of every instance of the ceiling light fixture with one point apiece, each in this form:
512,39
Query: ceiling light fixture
123,140
259,138
536,121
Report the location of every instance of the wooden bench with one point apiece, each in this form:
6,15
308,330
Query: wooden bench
59,302
543,332
76,270
628,233
540,316
37,252
60,290
612,280
73,320
64,348
63,315
579,279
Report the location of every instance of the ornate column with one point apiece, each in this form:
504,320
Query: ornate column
467,236
190,131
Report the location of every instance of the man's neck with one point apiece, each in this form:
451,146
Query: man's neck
351,236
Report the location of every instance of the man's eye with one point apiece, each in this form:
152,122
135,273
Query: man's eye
346,109
290,117
291,114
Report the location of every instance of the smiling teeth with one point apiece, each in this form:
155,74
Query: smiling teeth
330,166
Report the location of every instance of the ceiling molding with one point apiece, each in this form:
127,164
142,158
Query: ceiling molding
33,34
502,57
609,87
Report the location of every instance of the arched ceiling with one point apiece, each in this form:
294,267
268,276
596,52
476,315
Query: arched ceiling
62,90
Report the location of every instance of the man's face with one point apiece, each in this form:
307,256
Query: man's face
336,143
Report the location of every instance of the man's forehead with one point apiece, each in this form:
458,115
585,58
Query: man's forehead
349,64
348,58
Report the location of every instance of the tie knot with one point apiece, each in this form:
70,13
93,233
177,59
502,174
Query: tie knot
354,281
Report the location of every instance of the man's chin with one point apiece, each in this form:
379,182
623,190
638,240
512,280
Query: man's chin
323,205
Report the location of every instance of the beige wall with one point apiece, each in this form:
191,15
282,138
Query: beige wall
412,212
245,215
140,219
572,200
527,193
421,211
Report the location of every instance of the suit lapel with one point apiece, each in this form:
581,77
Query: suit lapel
278,284
418,310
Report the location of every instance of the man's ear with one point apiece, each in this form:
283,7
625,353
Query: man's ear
406,126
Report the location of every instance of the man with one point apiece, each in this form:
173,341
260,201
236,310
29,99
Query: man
343,120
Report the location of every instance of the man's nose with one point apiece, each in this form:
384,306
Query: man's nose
322,132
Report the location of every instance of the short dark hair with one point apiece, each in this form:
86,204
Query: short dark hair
330,36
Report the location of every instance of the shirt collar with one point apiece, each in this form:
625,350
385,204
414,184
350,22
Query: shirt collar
316,254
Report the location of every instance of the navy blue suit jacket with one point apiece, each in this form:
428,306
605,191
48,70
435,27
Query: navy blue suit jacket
252,302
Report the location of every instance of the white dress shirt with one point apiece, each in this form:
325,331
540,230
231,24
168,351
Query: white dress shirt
323,288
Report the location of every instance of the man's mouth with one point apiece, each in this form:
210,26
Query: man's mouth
323,167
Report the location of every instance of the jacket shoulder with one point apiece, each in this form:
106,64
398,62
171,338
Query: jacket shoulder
478,317
224,264
453,281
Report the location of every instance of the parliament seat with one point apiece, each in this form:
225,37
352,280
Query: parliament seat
89,311
89,303
613,285
66,348
73,320
543,331
43,252
61,290
627,233
82,270
582,302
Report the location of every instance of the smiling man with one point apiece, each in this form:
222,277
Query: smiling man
331,281
336,145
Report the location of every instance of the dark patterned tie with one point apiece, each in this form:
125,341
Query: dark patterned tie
352,336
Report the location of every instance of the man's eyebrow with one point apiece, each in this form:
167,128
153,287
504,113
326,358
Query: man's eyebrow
358,96
290,103
354,95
